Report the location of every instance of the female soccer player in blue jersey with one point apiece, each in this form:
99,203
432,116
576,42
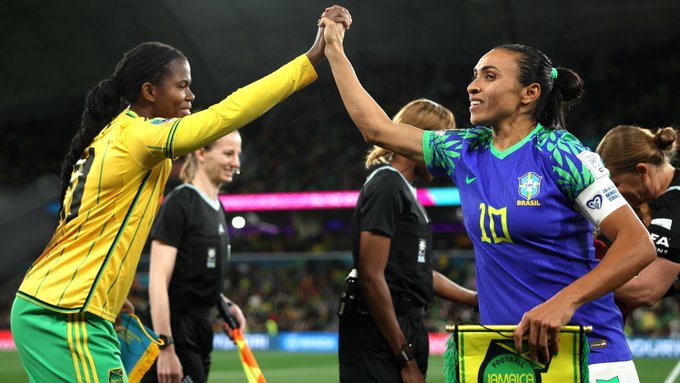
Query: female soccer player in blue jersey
640,166
134,124
531,193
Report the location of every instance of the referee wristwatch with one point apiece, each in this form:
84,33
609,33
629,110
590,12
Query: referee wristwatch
167,340
406,353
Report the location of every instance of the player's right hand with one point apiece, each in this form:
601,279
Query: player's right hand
334,33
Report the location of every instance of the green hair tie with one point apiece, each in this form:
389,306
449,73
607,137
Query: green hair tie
553,72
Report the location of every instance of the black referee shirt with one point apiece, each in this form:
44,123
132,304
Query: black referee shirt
189,221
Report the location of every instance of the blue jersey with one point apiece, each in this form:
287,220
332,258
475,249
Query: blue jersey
528,212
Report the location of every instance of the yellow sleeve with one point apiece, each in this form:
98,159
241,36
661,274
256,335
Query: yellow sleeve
175,137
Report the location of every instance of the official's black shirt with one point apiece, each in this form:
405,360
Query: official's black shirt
665,224
189,221
387,205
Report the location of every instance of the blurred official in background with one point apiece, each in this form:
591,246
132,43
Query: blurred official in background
189,255
640,166
382,335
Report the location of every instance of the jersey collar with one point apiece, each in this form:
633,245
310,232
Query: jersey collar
129,112
518,145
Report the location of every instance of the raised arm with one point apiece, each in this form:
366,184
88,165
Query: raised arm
338,14
374,124
171,138
250,102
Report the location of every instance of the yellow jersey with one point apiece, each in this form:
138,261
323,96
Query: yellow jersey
116,188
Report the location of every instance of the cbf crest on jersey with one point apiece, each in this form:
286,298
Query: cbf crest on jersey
529,188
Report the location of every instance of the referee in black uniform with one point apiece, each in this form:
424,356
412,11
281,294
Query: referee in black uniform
382,335
189,255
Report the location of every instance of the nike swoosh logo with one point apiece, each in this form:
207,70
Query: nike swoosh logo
469,180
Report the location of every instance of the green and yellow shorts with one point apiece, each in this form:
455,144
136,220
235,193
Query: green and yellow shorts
59,347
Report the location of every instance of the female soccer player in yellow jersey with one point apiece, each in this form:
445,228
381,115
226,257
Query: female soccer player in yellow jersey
134,123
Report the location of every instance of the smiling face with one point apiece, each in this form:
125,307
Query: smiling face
222,159
173,97
495,92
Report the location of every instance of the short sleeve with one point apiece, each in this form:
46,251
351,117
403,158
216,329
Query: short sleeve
172,218
665,240
665,230
381,205
581,176
574,167
442,150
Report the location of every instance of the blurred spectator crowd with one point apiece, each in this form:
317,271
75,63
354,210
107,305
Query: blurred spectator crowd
309,143
303,295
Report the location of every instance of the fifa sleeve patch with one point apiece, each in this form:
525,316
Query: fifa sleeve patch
599,200
594,164
666,223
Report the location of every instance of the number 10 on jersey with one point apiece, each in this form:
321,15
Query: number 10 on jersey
494,215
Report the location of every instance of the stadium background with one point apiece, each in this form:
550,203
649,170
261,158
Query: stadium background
288,265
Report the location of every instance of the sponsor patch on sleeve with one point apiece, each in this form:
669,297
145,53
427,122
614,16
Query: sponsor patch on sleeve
599,200
593,162
666,223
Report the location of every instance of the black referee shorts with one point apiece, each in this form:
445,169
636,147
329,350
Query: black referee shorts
193,338
364,354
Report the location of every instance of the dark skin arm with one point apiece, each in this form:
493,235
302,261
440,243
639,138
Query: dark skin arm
374,251
338,14
451,291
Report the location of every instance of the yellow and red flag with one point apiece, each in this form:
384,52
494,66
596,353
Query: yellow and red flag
250,366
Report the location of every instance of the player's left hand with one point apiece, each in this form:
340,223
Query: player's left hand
543,324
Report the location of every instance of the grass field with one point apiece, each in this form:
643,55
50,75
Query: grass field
301,367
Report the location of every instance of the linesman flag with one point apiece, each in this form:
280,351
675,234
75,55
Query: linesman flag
250,366
487,354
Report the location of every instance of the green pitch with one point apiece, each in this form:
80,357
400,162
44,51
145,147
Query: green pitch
290,367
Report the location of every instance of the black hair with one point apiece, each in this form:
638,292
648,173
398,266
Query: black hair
147,62
557,94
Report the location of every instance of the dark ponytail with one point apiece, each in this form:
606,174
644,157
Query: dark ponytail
561,88
147,62
102,104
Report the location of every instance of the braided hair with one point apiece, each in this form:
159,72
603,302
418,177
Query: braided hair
561,87
147,62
